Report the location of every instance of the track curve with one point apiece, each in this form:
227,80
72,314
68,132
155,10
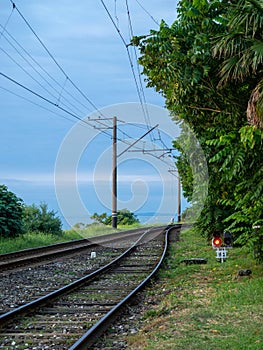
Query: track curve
71,317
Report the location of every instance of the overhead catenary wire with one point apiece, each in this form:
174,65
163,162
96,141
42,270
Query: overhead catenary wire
68,111
138,83
144,105
22,49
39,74
45,99
54,60
61,108
129,58
67,78
7,21
139,73
39,105
62,70
34,79
55,104
148,13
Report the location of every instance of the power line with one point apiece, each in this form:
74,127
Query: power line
27,73
129,58
115,12
114,24
7,21
62,87
42,97
61,108
139,75
144,105
36,104
138,140
148,13
53,58
39,65
139,86
58,98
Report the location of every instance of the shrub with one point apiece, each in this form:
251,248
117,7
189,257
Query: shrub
40,219
11,208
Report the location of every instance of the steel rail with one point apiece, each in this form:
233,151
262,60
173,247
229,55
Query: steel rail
95,331
33,255
7,256
46,299
49,254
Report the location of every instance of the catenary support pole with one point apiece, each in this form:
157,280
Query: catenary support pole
179,199
114,173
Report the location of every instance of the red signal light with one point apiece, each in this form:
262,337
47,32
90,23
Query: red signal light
217,242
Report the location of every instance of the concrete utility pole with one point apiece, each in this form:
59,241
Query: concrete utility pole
179,199
114,173
179,194
114,161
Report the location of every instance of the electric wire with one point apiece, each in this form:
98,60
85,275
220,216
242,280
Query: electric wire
48,101
40,75
38,95
40,67
39,105
144,104
115,12
139,86
7,21
61,69
148,13
53,58
61,108
69,79
31,76
147,116
129,57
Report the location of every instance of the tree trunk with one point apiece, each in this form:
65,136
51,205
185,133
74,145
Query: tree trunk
255,107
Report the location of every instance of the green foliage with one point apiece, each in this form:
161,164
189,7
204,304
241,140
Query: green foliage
40,219
208,66
32,240
101,218
11,208
241,45
124,217
244,171
209,305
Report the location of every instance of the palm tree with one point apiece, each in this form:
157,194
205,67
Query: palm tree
241,49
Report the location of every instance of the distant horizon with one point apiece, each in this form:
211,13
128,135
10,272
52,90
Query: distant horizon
34,133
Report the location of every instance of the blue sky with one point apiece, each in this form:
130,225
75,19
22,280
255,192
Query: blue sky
84,42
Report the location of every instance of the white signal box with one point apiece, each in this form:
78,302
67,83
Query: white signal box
221,253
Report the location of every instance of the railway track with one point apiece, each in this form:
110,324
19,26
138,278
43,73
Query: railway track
72,316
20,286
46,254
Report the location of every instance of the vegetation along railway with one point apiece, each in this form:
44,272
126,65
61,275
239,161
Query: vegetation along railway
49,253
82,301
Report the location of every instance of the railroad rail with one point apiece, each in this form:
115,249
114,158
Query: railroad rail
32,256
73,316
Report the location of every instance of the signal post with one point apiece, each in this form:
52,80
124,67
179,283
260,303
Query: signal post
220,246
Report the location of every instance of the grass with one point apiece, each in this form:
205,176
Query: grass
33,240
204,306
95,229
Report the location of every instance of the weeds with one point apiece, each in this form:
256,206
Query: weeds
205,306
